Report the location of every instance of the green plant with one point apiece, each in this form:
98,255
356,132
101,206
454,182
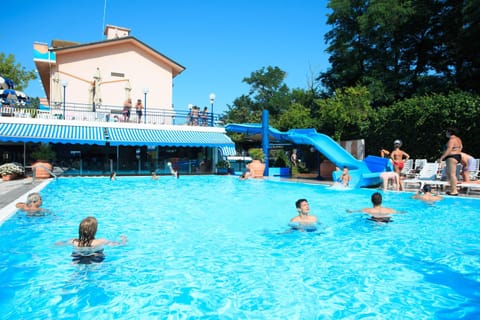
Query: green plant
280,158
11,168
223,164
44,152
257,154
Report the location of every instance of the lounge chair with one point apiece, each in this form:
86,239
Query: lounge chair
427,175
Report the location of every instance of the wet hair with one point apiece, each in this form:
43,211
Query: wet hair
376,199
298,203
453,131
87,231
427,188
112,174
33,197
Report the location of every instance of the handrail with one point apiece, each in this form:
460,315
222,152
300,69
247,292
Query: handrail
34,169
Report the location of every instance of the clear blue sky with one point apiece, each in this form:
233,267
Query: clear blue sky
220,42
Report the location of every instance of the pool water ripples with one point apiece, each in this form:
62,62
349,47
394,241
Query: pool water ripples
218,247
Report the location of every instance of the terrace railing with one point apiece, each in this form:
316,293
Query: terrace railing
106,113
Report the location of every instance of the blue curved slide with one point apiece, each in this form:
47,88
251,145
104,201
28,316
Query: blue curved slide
364,173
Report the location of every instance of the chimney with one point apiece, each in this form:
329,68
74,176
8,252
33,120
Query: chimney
114,32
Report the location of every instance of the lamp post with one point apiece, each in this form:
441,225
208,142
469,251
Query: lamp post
212,100
145,91
64,85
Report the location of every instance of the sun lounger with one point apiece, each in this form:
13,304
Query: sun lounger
427,175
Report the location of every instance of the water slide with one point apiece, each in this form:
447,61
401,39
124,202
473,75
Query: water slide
364,173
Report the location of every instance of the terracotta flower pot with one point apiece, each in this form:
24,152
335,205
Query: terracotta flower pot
257,168
9,177
40,167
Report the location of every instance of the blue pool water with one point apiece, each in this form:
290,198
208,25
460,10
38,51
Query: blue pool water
214,247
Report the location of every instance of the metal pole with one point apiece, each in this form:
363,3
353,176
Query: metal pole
145,108
212,115
64,98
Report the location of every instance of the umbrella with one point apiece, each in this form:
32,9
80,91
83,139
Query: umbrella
128,89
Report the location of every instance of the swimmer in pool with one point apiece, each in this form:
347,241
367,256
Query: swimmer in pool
33,205
377,213
426,194
87,249
304,221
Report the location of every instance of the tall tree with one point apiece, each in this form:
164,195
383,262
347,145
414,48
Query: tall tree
267,92
403,48
15,72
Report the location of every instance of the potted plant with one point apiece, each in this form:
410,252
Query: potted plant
257,166
10,171
223,167
43,156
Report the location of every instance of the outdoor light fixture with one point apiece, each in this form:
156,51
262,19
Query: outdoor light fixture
64,84
145,91
212,100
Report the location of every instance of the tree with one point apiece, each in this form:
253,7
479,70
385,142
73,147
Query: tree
348,110
15,72
402,48
268,92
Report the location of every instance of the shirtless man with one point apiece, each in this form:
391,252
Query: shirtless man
377,213
468,165
426,194
304,221
33,204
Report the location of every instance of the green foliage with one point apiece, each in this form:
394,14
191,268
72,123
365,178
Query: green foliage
348,108
296,116
257,154
15,72
44,152
223,164
401,49
267,92
279,157
421,122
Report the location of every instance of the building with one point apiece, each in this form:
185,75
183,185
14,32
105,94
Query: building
86,86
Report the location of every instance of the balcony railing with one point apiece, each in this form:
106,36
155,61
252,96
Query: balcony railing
107,113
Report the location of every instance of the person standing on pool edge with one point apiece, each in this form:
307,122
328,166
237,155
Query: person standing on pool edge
452,156
303,221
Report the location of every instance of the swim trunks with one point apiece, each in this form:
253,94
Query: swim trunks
399,164
457,157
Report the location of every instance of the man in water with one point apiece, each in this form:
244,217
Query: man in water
378,213
33,205
426,194
303,221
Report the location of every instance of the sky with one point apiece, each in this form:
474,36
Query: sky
219,42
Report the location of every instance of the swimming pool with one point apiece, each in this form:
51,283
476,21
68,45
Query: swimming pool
214,247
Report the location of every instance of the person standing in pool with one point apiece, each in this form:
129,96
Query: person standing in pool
304,220
87,249
377,213
452,156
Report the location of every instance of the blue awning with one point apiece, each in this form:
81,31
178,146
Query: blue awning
227,151
51,133
179,138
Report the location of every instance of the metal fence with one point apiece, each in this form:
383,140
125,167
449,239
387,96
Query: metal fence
109,113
